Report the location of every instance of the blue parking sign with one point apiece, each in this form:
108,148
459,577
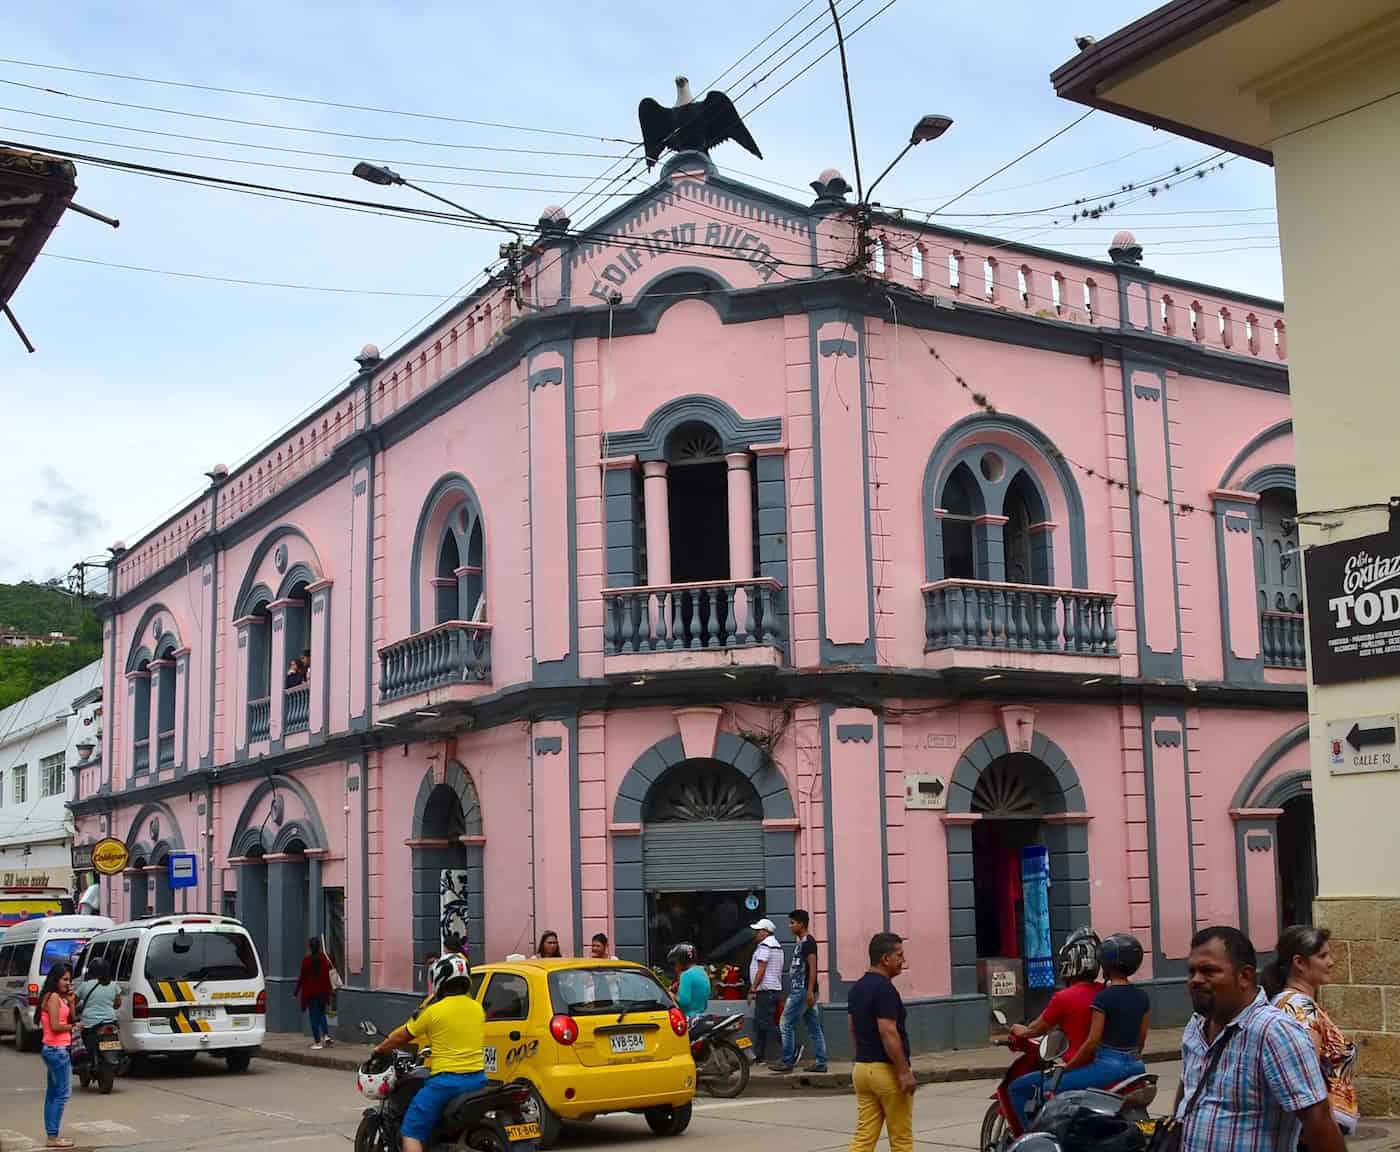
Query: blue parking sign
184,869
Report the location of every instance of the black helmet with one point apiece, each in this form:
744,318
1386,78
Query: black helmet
1079,955
1090,1118
1121,954
681,954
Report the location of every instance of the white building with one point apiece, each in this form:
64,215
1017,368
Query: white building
39,744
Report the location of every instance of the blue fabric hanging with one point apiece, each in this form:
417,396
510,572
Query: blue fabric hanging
1035,898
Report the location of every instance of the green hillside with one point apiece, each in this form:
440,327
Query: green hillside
42,608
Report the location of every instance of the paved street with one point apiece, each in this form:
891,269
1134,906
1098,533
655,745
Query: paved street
277,1106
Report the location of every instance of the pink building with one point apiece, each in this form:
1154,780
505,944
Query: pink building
691,577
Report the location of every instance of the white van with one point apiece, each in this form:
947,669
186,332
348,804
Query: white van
27,951
189,984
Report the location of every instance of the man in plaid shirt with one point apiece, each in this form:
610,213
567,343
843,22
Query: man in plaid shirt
1267,1083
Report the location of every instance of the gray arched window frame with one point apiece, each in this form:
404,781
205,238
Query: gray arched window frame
432,599
990,513
1018,442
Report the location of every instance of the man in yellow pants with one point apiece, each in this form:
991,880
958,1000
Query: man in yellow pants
883,1080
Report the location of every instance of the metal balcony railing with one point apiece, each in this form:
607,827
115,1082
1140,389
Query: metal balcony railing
141,758
457,652
165,749
712,615
1018,618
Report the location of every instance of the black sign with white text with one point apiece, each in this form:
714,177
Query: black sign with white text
1354,608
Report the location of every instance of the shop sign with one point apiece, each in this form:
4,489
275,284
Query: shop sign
25,879
1354,608
82,857
1363,744
184,871
109,856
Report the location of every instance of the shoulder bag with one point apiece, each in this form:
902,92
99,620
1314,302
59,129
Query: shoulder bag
1167,1136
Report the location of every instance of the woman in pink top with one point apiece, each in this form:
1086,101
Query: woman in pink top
55,1017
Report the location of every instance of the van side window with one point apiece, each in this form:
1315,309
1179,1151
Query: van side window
507,997
124,962
6,955
24,956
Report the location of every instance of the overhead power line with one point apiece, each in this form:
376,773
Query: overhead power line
311,131
318,102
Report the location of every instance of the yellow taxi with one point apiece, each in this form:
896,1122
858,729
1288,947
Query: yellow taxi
591,1036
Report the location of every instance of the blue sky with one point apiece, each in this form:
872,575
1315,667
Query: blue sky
143,381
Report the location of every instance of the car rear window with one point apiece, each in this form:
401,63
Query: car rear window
598,991
60,951
201,956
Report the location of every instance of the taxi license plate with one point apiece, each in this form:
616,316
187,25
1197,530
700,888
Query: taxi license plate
522,1132
742,1042
625,1042
201,1013
242,1021
109,1045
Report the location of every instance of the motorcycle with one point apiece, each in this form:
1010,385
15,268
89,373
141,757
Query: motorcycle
1092,1120
496,1118
1002,1128
719,1048
104,1064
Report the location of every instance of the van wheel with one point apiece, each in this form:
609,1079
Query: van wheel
238,1061
550,1124
668,1120
25,1040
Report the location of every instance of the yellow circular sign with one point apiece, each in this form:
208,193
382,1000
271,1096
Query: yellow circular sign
109,856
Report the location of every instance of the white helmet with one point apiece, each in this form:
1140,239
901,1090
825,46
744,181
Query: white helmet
453,966
376,1077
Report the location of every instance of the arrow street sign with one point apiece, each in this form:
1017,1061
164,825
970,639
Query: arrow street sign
1363,744
1360,737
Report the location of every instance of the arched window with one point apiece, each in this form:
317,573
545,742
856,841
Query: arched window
164,692
1276,552
449,560
141,716
445,582
698,503
961,502
259,670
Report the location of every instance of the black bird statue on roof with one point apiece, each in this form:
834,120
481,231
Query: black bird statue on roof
691,124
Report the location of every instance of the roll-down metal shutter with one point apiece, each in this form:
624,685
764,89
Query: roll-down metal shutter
702,856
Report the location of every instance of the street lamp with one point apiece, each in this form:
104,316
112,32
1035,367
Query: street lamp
928,128
384,176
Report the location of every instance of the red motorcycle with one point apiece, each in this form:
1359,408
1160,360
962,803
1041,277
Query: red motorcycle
1001,1125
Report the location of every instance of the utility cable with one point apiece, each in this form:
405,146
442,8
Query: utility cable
317,102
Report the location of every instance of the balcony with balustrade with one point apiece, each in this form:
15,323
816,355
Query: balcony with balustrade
141,756
296,709
982,623
448,662
165,749
708,624
1281,639
259,718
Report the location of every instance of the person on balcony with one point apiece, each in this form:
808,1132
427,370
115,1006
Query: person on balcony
295,675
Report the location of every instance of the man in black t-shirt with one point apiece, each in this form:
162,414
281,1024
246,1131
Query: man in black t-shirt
883,1080
802,998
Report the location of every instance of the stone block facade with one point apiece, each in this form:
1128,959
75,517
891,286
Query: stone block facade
1364,998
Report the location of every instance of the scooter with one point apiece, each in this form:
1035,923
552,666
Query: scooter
104,1064
1001,1126
719,1048
496,1118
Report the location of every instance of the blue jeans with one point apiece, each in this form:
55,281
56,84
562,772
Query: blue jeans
426,1108
794,1010
316,1009
1110,1065
60,1087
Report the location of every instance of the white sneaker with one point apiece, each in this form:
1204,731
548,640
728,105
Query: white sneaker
315,1047
327,1042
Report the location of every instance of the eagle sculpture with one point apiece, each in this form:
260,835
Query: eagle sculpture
691,124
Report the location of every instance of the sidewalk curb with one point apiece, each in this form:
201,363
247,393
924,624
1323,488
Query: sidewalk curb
763,1084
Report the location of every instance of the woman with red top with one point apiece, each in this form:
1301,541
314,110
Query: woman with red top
313,986
1071,1009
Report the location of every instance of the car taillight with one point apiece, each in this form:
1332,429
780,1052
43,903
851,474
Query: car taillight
679,1024
260,1008
140,1009
564,1029
34,995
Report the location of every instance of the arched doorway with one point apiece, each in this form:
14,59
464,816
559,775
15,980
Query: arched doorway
138,904
703,862
718,813
1004,808
1296,853
447,866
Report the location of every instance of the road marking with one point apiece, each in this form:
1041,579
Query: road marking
294,1139
172,1118
16,1140
717,1105
100,1127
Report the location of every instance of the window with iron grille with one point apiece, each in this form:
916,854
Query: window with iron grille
21,783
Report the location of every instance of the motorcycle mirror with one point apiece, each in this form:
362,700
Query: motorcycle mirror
1053,1045
999,1016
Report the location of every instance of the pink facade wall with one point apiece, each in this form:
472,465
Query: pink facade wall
846,464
